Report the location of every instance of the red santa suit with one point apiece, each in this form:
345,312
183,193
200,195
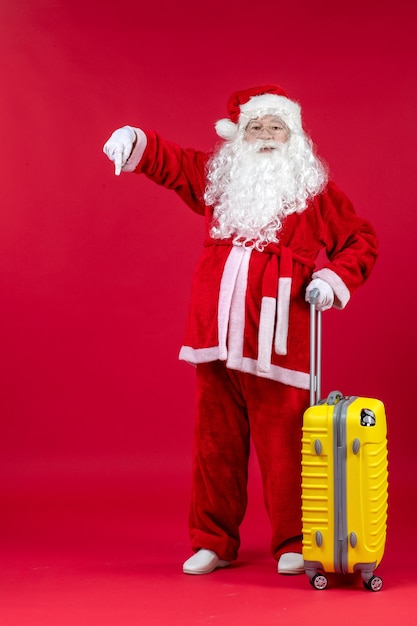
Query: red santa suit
247,333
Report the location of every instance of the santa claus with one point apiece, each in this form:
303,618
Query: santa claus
269,210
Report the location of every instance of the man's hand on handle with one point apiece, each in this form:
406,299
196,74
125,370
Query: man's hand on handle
325,298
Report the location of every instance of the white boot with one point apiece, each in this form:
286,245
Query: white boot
291,563
203,562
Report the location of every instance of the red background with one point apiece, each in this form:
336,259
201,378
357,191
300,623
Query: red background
95,270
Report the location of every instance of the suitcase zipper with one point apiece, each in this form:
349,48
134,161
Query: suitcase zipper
340,488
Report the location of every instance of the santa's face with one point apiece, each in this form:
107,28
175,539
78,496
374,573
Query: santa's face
259,178
267,127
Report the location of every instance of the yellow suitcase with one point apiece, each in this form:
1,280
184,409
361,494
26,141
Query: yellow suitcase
344,480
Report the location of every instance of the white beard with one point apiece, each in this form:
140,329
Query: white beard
252,191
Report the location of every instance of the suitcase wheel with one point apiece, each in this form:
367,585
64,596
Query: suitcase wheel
319,581
374,583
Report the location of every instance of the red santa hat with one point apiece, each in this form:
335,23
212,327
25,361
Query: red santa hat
248,104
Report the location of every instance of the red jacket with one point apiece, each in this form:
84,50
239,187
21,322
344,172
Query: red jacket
247,307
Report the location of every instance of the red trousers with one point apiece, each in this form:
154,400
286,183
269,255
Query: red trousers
232,407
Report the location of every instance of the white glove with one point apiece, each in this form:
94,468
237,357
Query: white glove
119,147
325,297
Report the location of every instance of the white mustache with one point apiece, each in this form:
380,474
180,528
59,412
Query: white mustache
262,144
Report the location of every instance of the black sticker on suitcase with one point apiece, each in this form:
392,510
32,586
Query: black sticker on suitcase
368,418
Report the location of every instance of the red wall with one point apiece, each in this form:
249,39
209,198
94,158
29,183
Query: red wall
95,270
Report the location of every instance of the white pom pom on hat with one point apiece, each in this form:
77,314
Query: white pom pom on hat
254,102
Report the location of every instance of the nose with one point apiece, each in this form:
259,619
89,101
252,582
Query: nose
266,132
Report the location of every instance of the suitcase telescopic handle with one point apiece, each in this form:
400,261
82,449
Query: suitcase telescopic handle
315,348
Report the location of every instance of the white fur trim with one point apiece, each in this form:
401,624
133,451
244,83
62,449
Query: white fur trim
266,333
198,355
137,152
283,315
194,356
341,292
227,286
283,375
238,308
226,129
271,104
